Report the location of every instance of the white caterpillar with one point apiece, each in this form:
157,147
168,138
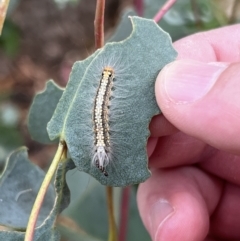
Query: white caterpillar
101,120
110,87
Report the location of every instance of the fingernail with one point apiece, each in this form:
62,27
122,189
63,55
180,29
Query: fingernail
187,81
159,213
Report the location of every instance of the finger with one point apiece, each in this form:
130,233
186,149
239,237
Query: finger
226,218
221,44
160,126
180,149
205,47
175,150
202,100
176,204
222,164
151,145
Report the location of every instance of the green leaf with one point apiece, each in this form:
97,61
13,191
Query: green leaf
10,38
41,111
136,230
70,231
19,184
57,123
48,230
80,184
187,17
89,212
19,176
124,28
136,63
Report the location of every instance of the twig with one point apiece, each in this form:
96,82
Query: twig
196,14
99,42
112,236
3,12
99,24
163,10
62,149
233,12
124,214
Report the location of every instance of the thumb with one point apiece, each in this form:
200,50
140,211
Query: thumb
203,100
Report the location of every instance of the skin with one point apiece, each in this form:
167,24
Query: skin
194,191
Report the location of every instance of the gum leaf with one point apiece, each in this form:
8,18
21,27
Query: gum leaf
81,186
136,62
19,184
89,211
124,27
56,125
41,111
69,233
21,175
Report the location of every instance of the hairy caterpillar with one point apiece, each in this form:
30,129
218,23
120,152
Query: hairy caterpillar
101,120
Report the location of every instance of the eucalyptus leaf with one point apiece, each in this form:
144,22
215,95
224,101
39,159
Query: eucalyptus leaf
42,110
136,62
124,27
78,183
58,121
19,185
187,17
70,231
81,185
48,230
136,229
89,212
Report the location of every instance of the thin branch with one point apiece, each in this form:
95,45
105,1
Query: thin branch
233,12
99,42
196,14
163,10
112,235
70,225
3,11
61,152
99,24
124,214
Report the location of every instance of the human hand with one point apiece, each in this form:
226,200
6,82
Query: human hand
194,191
